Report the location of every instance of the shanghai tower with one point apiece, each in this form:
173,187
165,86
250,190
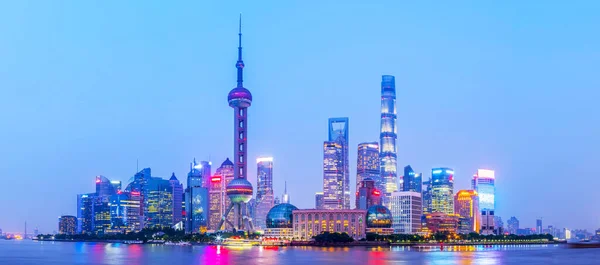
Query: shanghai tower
239,190
388,135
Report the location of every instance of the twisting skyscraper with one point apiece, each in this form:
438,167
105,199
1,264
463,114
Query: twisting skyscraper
388,134
239,190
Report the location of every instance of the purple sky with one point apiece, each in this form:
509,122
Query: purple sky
87,88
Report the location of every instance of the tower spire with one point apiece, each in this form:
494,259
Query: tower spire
240,64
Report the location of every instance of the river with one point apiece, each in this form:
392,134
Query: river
26,252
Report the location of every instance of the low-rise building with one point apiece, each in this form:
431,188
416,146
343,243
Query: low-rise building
309,223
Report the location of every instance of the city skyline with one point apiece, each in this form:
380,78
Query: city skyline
110,147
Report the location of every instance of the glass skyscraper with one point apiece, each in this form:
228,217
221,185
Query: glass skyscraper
177,190
85,214
338,132
196,201
412,181
483,183
442,190
388,134
264,191
368,165
333,176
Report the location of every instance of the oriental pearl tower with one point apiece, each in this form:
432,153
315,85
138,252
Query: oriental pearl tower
239,189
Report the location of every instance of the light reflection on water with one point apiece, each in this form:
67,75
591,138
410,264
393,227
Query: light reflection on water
29,252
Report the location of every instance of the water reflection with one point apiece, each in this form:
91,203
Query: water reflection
121,254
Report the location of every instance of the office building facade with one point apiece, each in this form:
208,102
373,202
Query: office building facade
412,181
466,205
368,165
309,223
442,190
367,194
484,183
265,199
338,132
407,209
333,175
67,225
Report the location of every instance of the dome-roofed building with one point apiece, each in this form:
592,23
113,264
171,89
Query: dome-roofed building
226,163
379,220
280,223
239,190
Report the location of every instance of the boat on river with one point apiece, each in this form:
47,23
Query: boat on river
584,244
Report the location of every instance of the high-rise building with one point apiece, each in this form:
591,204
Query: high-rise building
196,201
218,195
338,132
124,213
159,203
442,190
412,181
104,187
441,222
85,214
426,197
333,176
538,226
466,204
101,214
264,177
388,135
319,200
406,212
367,195
206,172
239,190
368,165
67,225
264,191
483,183
177,191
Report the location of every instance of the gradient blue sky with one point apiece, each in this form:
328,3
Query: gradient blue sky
88,87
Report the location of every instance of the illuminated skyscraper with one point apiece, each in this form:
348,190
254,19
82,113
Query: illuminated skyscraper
218,198
177,191
388,134
538,226
338,132
196,201
333,176
412,181
206,172
264,177
483,183
124,213
264,191
442,190
466,204
239,190
85,214
368,165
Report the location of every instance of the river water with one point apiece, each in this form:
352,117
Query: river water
27,252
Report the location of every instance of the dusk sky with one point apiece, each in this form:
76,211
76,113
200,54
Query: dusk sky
89,87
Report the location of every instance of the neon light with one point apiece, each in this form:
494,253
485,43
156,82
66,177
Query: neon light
199,166
376,192
215,179
264,159
135,193
449,172
437,171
